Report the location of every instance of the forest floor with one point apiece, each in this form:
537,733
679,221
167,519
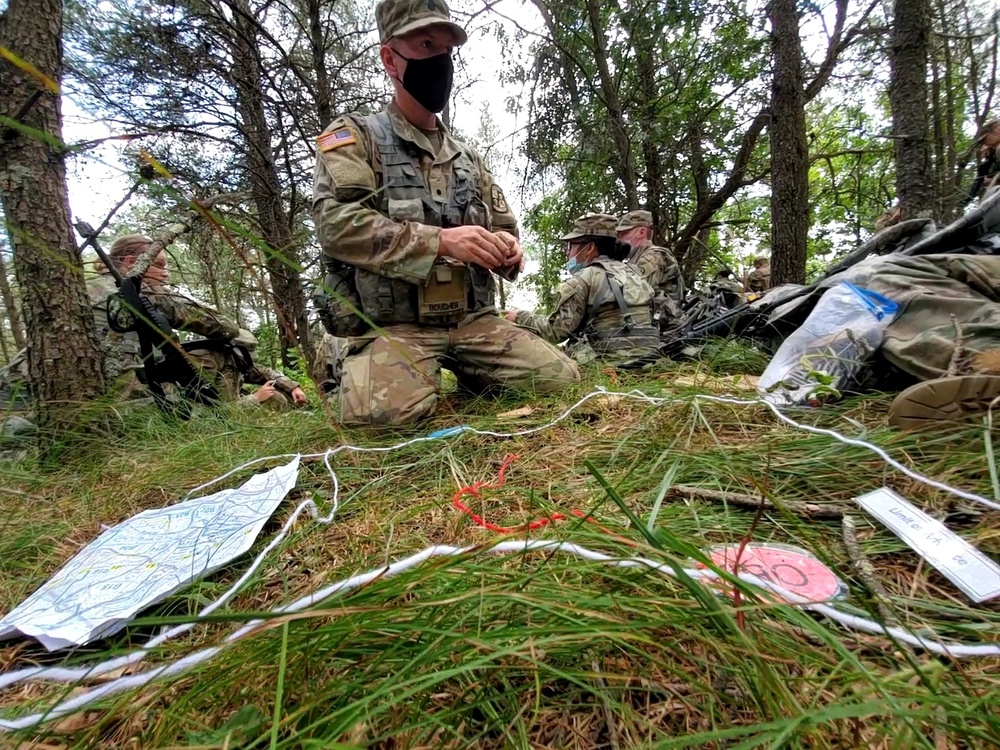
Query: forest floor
539,649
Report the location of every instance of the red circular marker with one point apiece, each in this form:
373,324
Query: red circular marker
788,567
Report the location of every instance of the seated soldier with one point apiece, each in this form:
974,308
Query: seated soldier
413,228
121,351
759,279
987,145
221,361
226,359
731,290
230,368
656,264
604,309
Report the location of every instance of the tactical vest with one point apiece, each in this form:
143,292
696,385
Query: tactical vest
120,351
454,289
630,326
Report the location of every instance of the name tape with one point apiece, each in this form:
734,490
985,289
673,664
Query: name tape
957,560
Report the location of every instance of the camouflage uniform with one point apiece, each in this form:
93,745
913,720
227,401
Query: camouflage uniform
329,364
606,307
659,267
121,351
383,189
229,374
727,284
758,280
930,289
987,160
728,289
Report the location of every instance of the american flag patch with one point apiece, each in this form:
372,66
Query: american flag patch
335,139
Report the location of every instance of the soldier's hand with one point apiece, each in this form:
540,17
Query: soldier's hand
265,392
299,397
511,315
515,256
473,244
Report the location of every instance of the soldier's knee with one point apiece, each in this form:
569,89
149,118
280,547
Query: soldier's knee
372,395
560,375
550,374
364,408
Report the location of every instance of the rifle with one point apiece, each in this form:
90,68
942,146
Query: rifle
909,238
163,357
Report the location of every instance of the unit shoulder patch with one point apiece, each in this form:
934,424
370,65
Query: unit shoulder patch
498,200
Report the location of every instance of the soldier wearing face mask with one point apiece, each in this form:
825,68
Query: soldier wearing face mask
413,228
604,308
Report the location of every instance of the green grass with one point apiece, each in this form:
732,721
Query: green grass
537,650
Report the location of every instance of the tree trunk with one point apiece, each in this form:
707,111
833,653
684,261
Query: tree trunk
64,360
789,149
607,91
615,109
10,305
908,99
317,47
949,195
692,254
281,254
651,145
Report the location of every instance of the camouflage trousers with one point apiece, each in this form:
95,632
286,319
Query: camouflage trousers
221,369
930,289
393,377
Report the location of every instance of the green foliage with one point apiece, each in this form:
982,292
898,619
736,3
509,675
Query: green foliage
268,345
549,220
673,68
851,178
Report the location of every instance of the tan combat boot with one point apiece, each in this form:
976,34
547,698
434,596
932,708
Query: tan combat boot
955,398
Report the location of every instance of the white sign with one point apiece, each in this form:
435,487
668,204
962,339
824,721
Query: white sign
961,563
146,559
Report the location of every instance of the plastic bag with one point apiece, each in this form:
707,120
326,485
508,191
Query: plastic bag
824,355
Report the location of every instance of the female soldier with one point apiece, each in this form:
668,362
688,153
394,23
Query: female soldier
604,309
221,362
121,351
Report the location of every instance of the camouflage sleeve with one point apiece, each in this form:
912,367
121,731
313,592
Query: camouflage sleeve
258,375
566,317
502,219
190,315
661,270
672,277
247,401
348,227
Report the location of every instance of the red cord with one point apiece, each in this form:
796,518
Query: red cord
474,489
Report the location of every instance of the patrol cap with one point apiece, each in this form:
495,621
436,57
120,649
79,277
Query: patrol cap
593,225
634,219
401,17
246,339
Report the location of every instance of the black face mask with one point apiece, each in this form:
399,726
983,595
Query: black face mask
428,80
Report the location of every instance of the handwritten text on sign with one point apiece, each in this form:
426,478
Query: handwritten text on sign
961,563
